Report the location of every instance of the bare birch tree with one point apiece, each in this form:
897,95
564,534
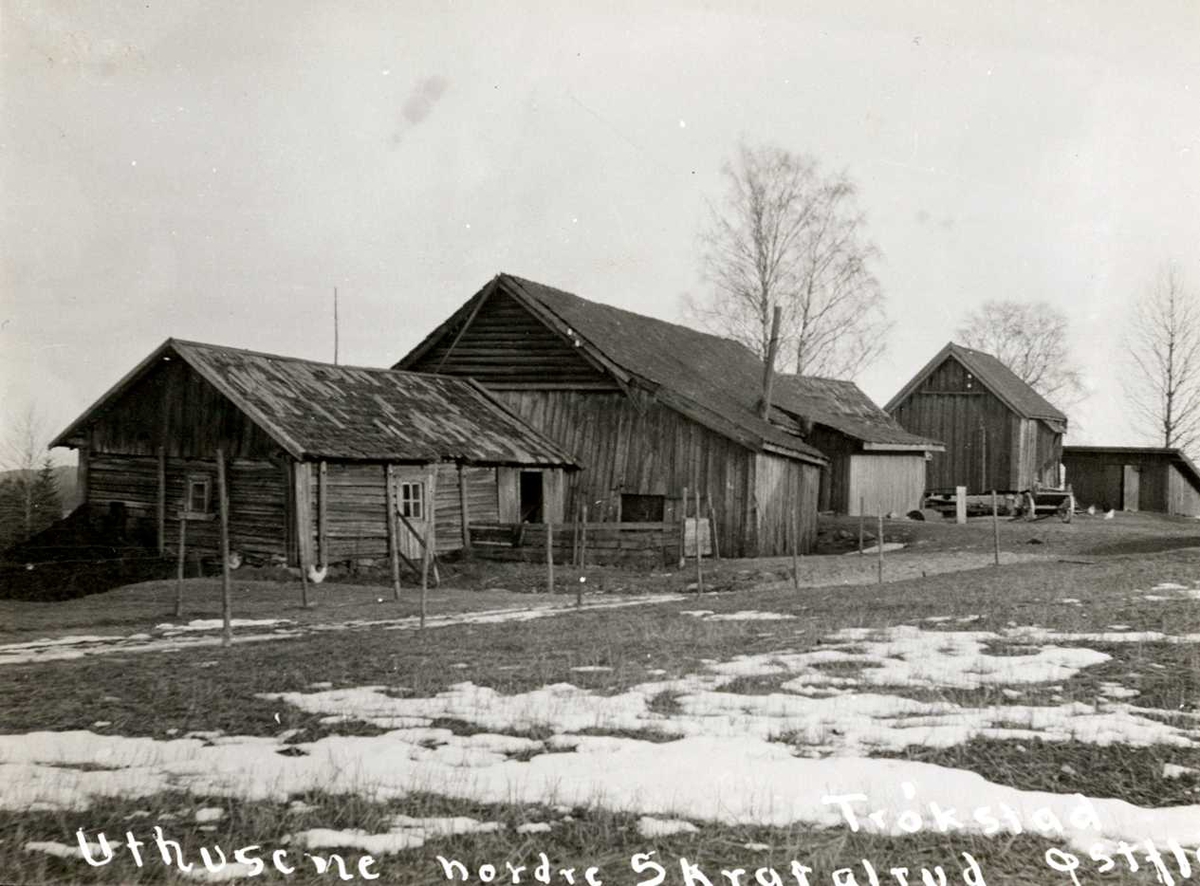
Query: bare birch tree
791,236
1031,339
1163,343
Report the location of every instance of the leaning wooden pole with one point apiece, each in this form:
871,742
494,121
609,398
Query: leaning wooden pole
712,528
226,604
862,516
699,550
582,556
430,538
683,530
182,563
393,530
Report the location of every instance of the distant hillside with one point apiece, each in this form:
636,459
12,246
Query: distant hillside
64,475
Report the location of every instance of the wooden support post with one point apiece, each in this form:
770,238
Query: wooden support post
683,530
712,528
862,512
182,561
795,551
699,550
393,531
223,499
995,527
301,497
303,588
879,549
430,536
322,514
960,504
549,557
465,511
162,501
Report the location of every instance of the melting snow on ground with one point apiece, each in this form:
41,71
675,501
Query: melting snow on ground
732,757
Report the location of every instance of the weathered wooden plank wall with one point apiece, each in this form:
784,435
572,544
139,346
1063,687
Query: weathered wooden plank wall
257,499
782,486
1182,496
953,407
644,543
190,415
886,483
642,447
506,346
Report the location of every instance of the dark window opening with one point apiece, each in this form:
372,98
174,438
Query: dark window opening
198,495
643,508
531,496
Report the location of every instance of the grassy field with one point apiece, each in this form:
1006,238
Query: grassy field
705,728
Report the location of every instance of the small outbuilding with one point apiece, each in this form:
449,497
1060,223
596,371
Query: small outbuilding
1133,478
314,456
999,433
875,466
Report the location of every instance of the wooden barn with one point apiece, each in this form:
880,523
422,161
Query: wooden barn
313,454
999,432
649,409
875,466
1133,478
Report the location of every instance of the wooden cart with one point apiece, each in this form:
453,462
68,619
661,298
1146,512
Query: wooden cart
1037,503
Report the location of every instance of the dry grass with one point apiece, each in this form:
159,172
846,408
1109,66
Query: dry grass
158,694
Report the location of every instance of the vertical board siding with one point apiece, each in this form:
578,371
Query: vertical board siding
257,500
1182,496
780,483
639,446
886,483
1102,479
194,417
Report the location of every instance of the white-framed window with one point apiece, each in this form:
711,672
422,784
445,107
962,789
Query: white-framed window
198,494
412,500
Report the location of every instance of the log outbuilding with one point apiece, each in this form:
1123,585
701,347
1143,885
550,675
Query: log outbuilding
999,433
650,409
311,455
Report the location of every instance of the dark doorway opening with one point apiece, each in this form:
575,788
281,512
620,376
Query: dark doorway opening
531,497
642,508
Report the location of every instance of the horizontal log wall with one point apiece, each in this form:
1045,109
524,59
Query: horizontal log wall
257,500
357,506
645,543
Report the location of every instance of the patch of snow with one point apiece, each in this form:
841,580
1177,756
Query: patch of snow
874,549
209,813
664,827
592,669
61,850
1173,770
534,827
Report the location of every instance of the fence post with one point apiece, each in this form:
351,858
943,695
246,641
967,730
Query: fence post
699,550
960,504
223,495
862,510
995,527
393,530
179,577
795,554
879,546
549,557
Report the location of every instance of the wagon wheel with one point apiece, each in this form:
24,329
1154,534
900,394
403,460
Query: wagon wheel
1030,507
1066,510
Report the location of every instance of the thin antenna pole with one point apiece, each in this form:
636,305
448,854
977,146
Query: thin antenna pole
335,326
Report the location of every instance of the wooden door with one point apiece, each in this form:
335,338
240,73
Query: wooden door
412,509
1131,488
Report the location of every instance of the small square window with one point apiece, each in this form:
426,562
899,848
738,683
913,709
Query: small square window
198,498
412,500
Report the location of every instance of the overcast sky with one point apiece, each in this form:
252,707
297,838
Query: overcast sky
212,170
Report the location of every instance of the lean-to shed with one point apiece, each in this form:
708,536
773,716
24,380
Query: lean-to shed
999,433
1133,478
648,408
875,466
310,451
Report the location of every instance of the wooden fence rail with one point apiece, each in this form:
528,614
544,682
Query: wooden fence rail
650,543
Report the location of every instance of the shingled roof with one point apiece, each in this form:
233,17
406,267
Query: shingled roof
843,406
712,380
995,376
320,410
